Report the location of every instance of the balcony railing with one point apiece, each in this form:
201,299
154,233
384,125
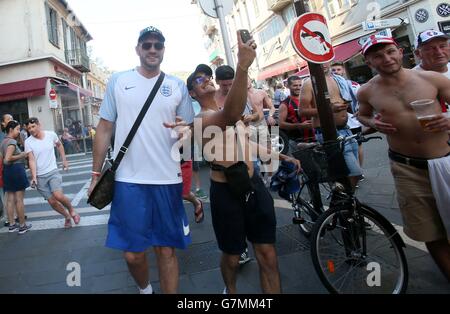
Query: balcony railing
278,5
78,59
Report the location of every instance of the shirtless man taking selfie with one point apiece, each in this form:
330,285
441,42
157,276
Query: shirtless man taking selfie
235,217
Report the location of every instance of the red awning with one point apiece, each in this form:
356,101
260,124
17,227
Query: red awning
345,51
303,72
279,68
23,89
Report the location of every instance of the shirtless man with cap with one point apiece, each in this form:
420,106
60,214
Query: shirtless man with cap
418,155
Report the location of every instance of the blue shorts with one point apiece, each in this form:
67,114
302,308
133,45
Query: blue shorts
350,152
145,215
15,178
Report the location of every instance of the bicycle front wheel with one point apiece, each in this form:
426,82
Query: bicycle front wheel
353,252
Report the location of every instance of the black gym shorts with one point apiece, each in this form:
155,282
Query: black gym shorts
234,220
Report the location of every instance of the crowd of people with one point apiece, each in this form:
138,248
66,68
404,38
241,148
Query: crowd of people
241,207
229,125
38,149
72,137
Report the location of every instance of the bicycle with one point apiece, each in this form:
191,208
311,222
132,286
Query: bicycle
354,248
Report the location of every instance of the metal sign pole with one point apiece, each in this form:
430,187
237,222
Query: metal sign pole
81,118
321,94
224,30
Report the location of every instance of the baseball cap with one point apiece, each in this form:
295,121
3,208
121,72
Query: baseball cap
376,40
224,72
151,30
428,35
201,68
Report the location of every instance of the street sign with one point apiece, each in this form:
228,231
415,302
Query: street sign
444,27
379,24
53,101
311,38
385,32
209,7
52,94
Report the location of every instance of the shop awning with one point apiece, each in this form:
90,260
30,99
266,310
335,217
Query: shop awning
345,51
303,72
279,68
23,89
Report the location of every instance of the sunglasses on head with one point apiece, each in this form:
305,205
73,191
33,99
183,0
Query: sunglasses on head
202,79
157,45
32,121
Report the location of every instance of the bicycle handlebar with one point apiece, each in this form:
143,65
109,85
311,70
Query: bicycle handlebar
360,137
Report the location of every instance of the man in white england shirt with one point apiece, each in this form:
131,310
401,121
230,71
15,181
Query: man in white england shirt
147,208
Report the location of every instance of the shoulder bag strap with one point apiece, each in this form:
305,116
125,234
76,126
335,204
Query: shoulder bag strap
137,123
296,109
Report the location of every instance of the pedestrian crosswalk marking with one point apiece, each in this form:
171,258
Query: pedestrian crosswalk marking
51,213
40,200
58,223
68,183
80,195
65,174
79,166
78,162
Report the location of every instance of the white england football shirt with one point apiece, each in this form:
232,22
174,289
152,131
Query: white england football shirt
153,156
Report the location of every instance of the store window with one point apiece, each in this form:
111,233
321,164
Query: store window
17,108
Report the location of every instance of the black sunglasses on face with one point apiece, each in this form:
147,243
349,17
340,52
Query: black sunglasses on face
148,46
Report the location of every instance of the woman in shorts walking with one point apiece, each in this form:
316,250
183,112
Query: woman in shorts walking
14,176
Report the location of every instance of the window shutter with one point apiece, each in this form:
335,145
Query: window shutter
49,22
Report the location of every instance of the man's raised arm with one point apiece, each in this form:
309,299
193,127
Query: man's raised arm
237,96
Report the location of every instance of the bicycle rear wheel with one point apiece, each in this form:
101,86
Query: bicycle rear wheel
355,253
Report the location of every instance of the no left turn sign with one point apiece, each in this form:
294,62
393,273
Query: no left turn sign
311,38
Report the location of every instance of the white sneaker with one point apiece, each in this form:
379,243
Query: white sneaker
148,290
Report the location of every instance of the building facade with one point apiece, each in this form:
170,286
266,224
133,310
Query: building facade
97,79
270,23
43,50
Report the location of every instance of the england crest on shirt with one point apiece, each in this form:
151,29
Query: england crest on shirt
166,90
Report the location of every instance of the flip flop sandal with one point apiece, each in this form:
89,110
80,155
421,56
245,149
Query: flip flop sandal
76,219
199,213
68,223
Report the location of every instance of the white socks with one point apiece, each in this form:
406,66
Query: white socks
148,290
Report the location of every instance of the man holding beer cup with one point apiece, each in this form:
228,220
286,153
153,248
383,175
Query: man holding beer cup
409,113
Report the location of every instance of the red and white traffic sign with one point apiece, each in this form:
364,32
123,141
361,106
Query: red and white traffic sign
53,102
52,94
311,38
